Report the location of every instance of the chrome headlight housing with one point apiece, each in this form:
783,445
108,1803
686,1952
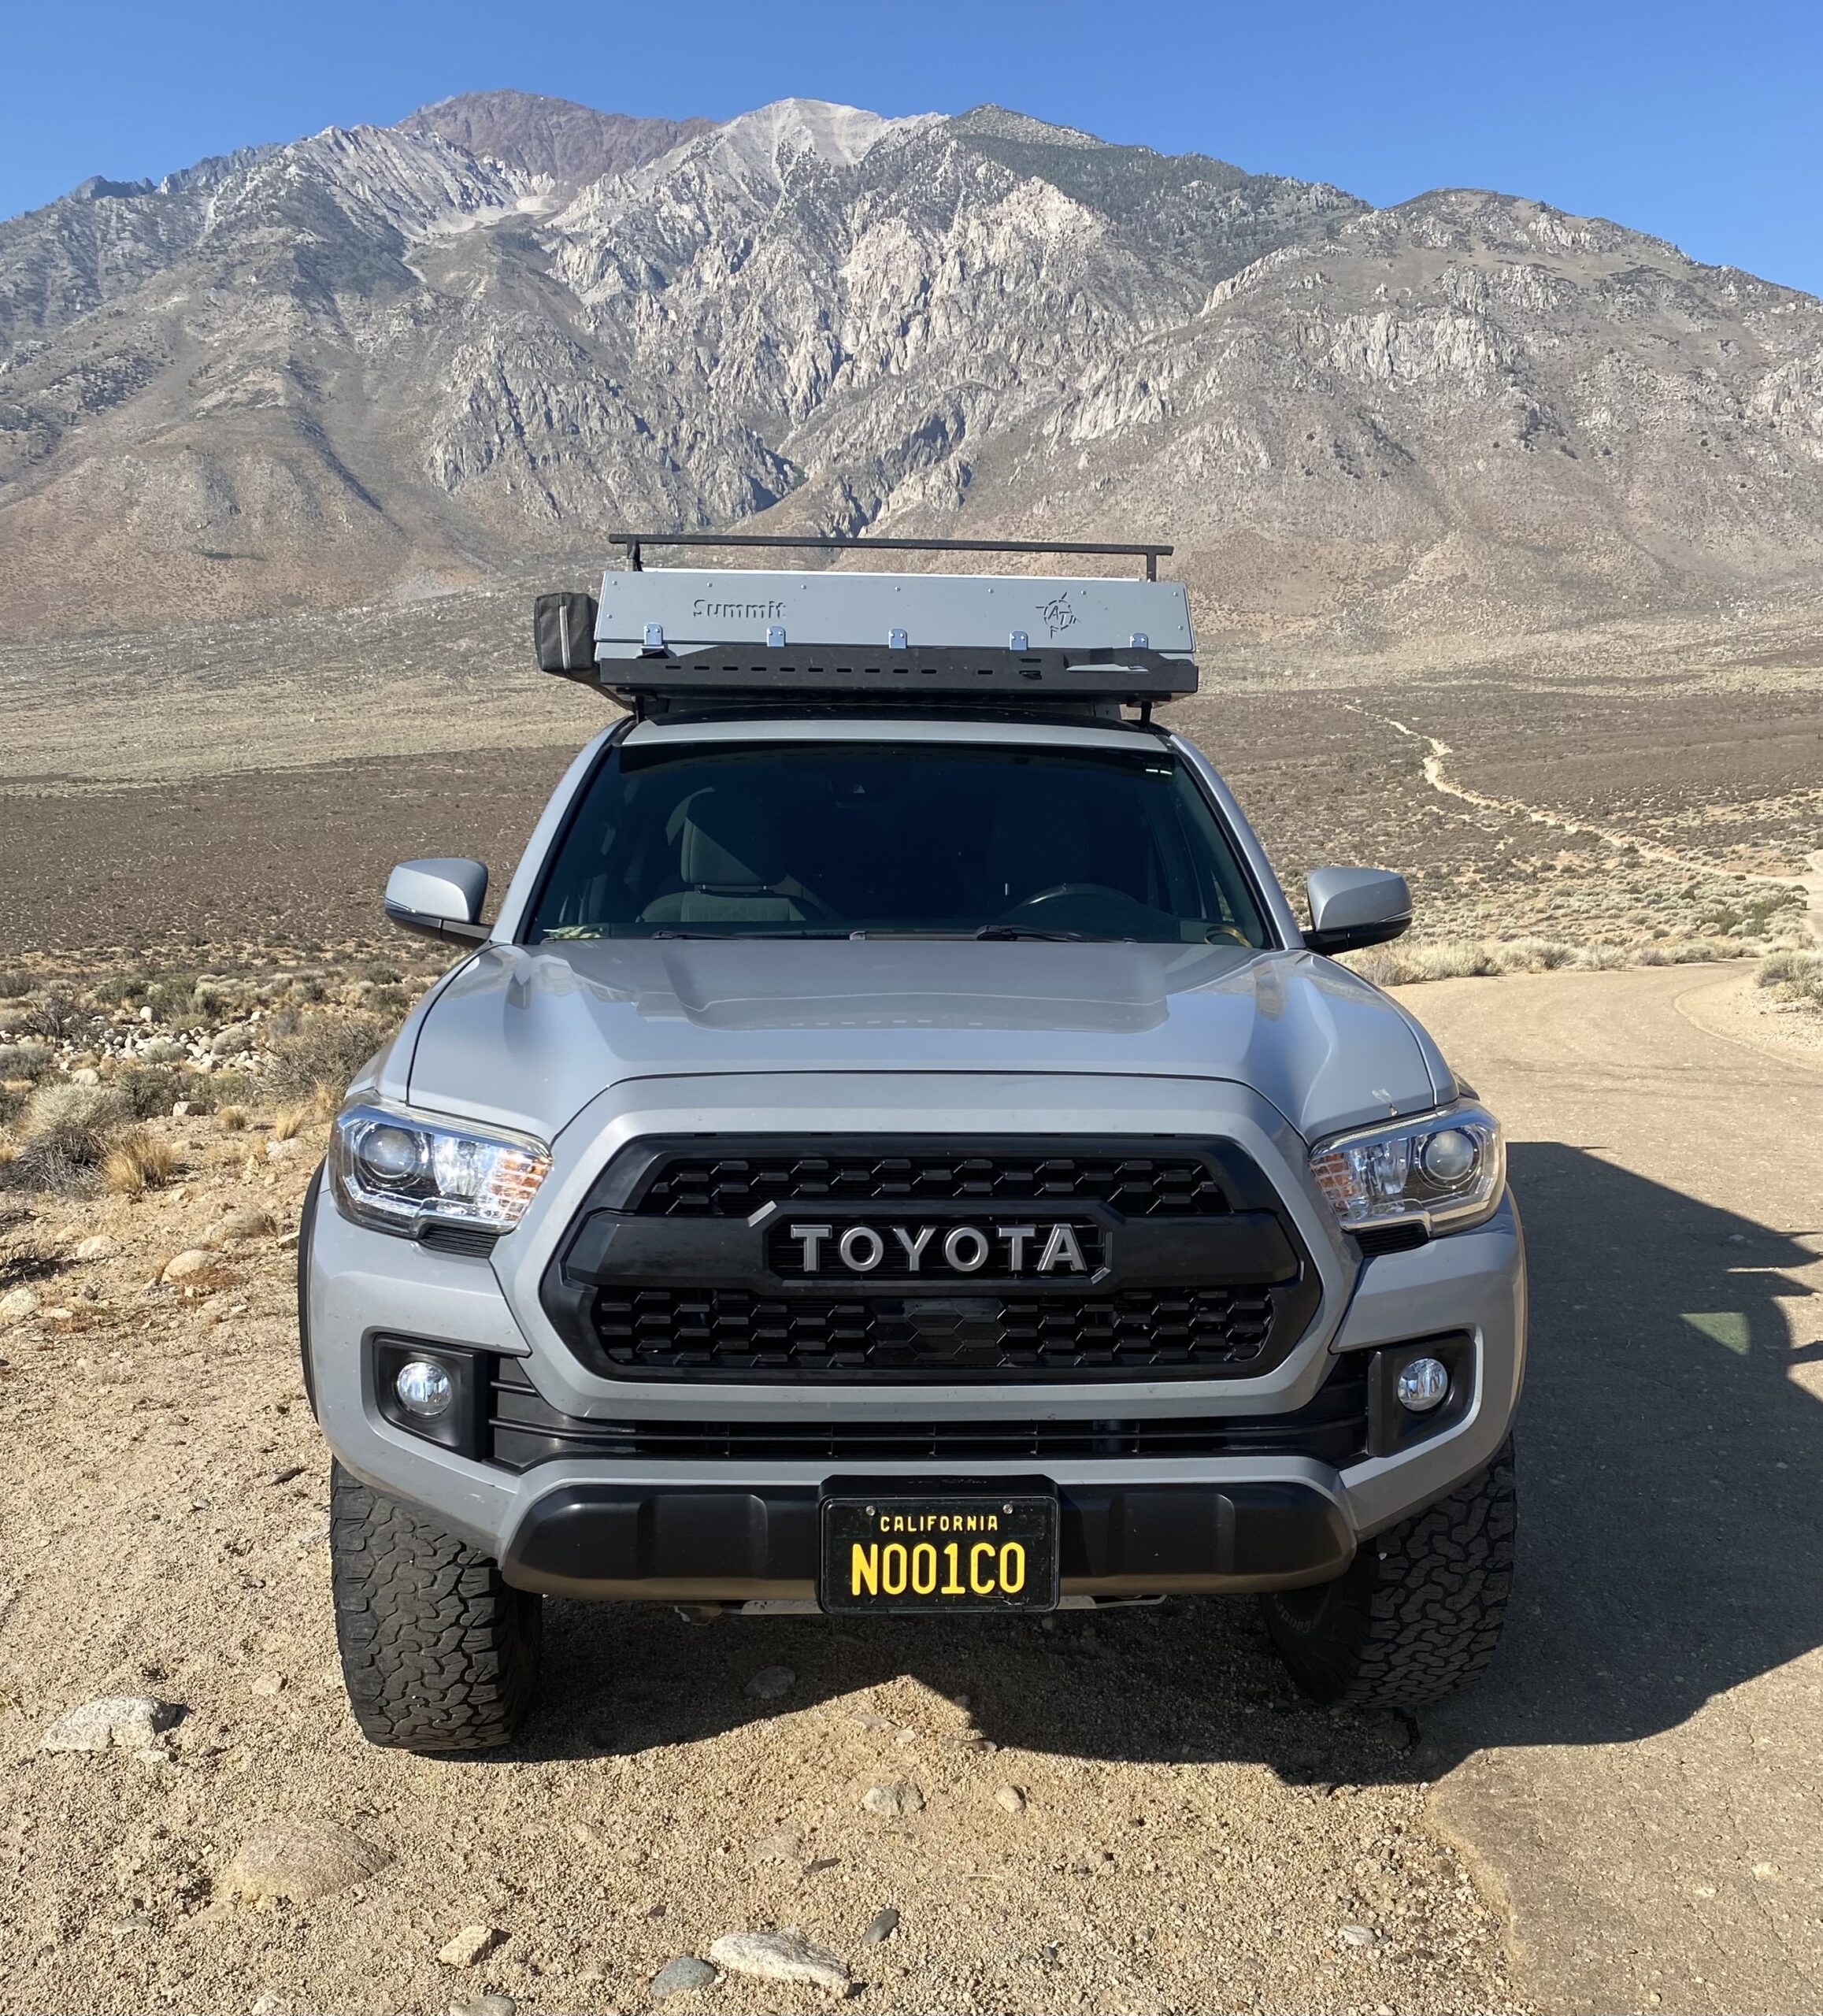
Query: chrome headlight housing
1443,1171
401,1171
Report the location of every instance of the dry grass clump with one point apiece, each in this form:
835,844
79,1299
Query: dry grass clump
232,1119
325,1047
137,1162
292,1121
66,1133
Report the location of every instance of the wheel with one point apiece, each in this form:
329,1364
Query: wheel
1417,1615
438,1653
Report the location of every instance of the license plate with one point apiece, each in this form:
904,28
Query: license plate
886,1555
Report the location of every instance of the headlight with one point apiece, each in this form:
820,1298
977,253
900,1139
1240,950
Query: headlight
400,1171
1445,1171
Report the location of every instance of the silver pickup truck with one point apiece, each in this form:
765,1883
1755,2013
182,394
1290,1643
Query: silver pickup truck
896,1151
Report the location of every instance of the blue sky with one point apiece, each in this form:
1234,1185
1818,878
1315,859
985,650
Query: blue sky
1700,123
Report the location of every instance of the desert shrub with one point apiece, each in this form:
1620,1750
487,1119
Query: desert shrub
55,1015
13,984
11,1103
1532,955
162,1050
325,1048
27,1060
1600,958
151,1088
94,1109
1781,967
382,971
1457,958
118,988
1376,964
1795,975
137,1162
391,1002
171,998
208,1091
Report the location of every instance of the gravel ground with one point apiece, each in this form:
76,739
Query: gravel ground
1187,1834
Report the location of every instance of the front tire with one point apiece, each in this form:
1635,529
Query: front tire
438,1653
1417,1616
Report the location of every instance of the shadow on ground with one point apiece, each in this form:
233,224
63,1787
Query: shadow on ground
1671,1522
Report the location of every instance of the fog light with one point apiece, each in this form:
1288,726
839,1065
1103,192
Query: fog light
425,1389
1423,1384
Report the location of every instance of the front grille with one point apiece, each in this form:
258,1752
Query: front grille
525,1430
718,1332
735,1186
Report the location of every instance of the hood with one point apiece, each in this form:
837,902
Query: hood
527,1036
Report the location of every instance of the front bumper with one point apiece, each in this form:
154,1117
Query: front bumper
704,1545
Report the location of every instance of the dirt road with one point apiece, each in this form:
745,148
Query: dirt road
1637,1778
1640,1771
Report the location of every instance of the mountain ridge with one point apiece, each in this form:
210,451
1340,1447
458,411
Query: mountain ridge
347,365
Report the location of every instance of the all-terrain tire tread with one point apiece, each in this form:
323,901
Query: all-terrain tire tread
1420,1615
438,1652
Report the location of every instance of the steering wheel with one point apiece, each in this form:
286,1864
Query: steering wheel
1060,889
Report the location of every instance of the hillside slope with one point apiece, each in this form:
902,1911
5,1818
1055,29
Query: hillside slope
375,361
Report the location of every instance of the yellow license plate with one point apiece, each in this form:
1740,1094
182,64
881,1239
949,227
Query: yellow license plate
933,1552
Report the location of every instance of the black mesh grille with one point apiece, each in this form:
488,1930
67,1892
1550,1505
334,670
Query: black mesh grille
734,1186
525,1430
664,1331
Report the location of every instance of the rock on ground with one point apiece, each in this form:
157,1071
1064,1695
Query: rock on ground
880,1927
116,1722
681,1976
893,1801
192,1260
471,1946
770,1683
302,1859
781,1956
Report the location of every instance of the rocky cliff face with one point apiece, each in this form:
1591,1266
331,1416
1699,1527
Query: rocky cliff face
375,360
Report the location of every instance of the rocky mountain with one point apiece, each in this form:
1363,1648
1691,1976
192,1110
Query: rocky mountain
375,361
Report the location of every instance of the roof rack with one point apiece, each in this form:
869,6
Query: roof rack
663,636
822,543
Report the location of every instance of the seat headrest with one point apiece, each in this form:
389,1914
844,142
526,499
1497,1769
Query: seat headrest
728,839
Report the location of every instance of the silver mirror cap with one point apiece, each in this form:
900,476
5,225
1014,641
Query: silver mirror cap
1351,907
440,899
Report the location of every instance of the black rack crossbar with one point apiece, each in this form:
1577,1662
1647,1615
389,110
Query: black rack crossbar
759,672
816,543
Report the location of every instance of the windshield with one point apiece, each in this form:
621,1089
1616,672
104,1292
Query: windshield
830,839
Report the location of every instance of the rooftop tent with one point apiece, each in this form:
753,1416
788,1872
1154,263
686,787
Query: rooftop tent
690,632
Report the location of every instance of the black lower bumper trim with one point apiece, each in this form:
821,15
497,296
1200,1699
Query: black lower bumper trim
691,1545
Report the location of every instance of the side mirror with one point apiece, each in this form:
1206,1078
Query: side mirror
440,899
1351,907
